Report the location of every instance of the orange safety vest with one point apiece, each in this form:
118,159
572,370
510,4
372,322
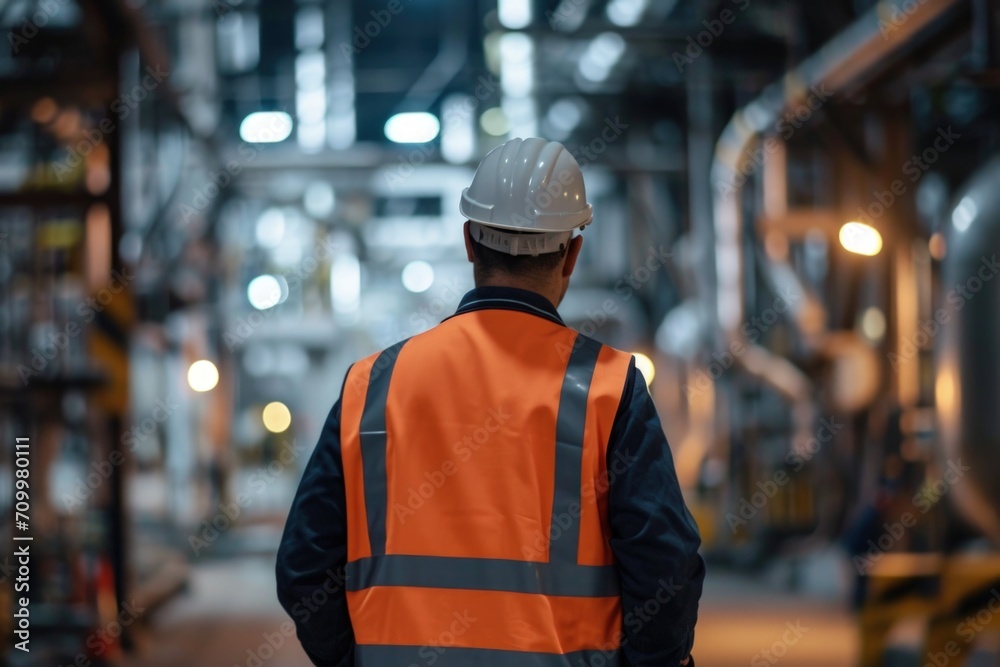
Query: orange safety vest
477,517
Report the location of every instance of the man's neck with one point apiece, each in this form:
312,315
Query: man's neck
551,292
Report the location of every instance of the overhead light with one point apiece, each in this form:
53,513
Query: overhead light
873,324
345,279
564,116
861,239
964,214
203,375
412,128
494,122
311,136
601,56
458,136
514,14
418,276
569,15
266,127
645,366
626,13
319,199
522,116
309,27
270,229
517,69
310,105
276,417
310,70
264,292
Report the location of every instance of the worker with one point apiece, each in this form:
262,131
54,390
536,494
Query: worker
498,490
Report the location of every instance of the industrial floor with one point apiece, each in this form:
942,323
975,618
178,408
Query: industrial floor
229,608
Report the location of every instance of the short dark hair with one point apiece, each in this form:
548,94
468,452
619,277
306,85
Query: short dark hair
490,262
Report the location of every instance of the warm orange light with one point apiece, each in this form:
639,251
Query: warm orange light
861,239
938,246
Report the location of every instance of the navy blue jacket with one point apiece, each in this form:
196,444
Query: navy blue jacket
654,539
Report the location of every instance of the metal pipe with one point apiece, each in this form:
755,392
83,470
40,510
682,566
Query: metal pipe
848,59
853,57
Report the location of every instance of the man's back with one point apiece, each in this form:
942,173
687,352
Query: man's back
500,486
479,467
497,491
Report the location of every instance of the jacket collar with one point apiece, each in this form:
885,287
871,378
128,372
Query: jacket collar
509,298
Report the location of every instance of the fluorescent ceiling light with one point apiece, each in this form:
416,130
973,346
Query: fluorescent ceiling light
310,105
266,127
626,13
412,128
964,214
514,14
601,56
458,136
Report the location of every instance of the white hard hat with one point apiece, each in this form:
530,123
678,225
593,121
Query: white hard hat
527,185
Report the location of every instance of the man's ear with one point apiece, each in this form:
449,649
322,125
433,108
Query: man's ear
572,252
468,242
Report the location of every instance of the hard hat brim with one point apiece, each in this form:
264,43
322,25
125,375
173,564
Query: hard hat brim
527,221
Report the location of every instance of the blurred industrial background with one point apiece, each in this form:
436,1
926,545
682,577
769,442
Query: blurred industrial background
210,208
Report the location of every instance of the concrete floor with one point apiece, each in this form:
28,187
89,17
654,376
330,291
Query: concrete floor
222,620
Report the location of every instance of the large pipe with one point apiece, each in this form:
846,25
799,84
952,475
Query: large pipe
853,57
968,365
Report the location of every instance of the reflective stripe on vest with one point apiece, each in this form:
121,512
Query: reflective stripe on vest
457,656
560,605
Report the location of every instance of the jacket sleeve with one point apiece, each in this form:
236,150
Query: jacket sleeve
653,537
313,554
